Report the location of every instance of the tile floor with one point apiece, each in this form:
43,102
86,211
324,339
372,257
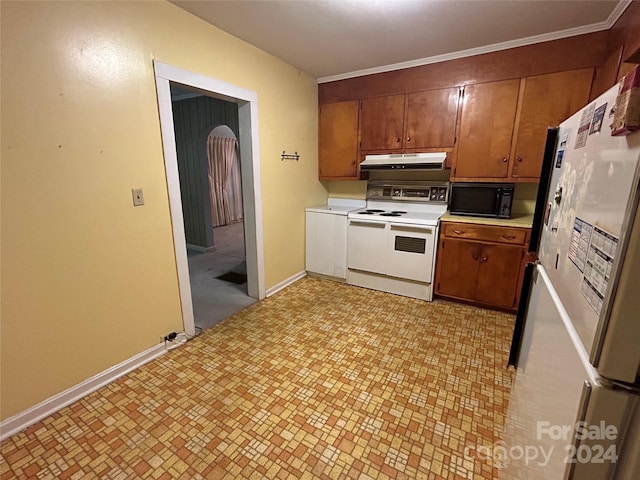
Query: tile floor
322,380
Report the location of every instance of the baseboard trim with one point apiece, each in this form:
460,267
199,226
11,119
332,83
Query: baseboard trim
198,248
285,283
26,418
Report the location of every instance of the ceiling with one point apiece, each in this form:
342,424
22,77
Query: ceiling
335,39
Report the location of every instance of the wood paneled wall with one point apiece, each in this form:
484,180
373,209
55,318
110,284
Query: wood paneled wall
623,50
193,119
625,33
610,52
582,51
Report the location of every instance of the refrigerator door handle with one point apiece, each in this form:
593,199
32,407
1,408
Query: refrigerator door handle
523,305
548,162
582,416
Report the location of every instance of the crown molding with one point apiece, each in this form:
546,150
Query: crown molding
496,47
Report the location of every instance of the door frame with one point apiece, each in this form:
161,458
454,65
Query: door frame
249,146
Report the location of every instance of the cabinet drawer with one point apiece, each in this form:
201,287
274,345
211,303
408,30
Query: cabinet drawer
516,236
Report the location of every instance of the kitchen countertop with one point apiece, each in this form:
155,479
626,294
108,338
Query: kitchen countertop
520,220
336,210
338,206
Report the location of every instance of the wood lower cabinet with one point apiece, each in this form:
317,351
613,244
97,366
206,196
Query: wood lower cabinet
498,271
481,263
457,268
338,141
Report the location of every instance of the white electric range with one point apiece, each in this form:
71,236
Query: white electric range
391,243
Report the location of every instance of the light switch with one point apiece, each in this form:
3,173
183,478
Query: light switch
138,197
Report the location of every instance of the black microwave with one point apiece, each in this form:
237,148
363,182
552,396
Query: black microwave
481,199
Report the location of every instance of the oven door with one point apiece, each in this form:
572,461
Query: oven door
366,246
410,251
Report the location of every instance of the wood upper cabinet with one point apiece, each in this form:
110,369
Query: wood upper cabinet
431,118
486,127
382,122
338,140
503,125
546,101
481,264
496,133
412,121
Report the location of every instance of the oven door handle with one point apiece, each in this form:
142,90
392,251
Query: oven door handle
412,228
368,224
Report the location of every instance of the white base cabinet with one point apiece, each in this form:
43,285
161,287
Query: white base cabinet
326,243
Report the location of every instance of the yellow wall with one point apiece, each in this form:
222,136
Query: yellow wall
346,189
87,279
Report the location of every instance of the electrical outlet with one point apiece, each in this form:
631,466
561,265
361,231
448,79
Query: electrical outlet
170,337
138,197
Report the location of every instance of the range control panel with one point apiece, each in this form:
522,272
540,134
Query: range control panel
432,192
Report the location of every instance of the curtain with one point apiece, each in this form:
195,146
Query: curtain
225,188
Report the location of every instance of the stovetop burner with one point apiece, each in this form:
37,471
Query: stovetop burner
371,211
407,208
383,213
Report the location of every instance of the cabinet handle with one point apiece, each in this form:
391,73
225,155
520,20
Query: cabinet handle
458,232
505,159
397,139
474,256
484,259
519,159
508,237
408,139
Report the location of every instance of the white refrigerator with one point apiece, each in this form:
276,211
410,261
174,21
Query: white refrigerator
573,411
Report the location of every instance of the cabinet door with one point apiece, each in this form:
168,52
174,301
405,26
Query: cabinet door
547,100
498,271
431,118
338,140
319,245
381,122
326,244
486,127
458,268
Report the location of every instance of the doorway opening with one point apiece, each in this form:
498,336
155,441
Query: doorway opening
195,234
211,192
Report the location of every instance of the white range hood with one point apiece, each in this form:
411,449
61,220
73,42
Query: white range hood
405,161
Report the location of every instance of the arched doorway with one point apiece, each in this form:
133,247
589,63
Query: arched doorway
223,171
